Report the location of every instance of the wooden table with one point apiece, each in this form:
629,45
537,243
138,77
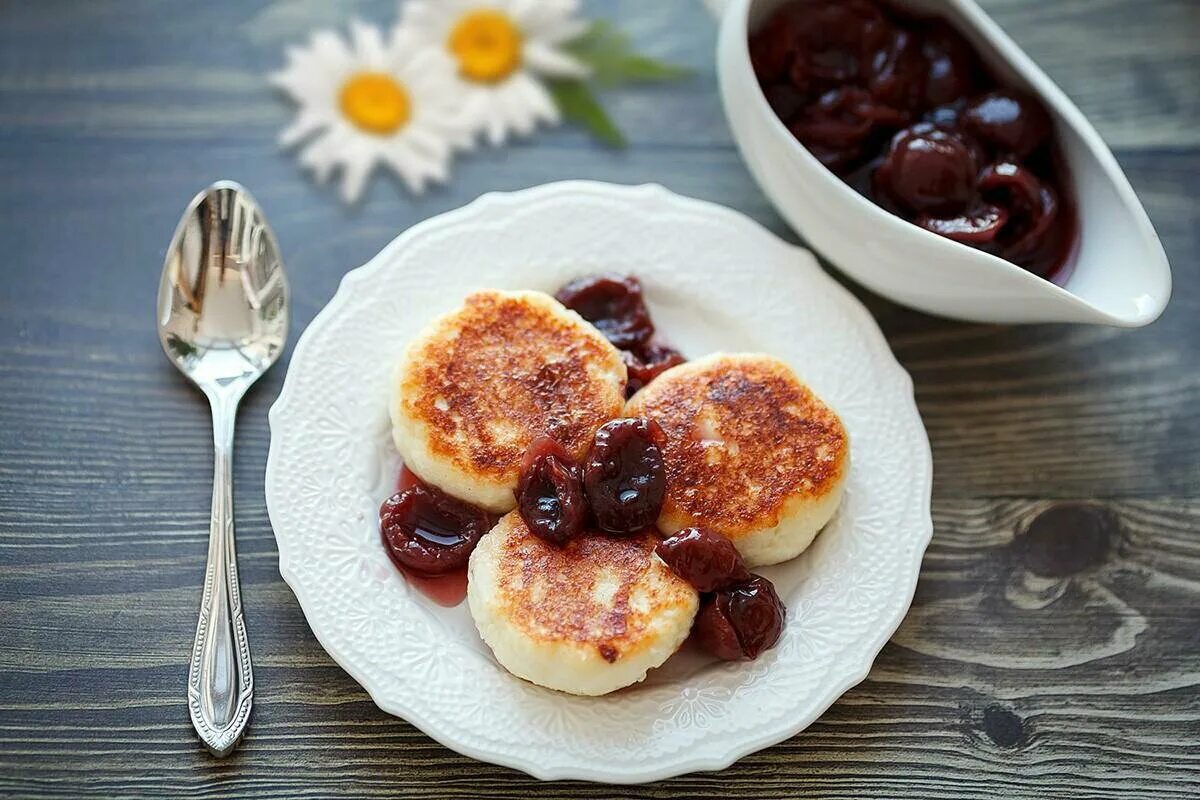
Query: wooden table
1053,649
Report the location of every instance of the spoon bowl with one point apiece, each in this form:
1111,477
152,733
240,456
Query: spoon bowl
1119,276
223,321
223,298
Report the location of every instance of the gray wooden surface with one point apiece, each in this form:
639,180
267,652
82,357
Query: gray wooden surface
1053,649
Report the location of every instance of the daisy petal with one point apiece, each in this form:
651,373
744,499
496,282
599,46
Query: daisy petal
432,18
368,41
319,157
307,122
355,172
405,45
536,16
549,60
534,101
414,170
405,164
428,143
551,22
496,128
329,49
565,30
427,66
283,81
535,96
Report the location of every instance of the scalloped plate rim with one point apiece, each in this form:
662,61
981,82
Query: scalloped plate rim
742,746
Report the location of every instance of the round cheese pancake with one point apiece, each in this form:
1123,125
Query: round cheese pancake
751,453
481,383
586,618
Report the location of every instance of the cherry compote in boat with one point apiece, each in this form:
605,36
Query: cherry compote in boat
903,109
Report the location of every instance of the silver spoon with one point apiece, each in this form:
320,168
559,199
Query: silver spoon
222,320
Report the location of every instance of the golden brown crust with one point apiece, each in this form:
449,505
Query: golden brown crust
596,590
744,439
504,369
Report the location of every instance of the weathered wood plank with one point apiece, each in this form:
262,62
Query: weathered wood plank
1130,66
955,694
908,739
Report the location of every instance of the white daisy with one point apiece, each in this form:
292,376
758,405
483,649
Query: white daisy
373,101
502,48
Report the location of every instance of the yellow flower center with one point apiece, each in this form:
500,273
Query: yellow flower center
487,44
375,102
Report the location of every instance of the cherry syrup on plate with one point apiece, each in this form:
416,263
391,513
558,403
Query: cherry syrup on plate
446,590
407,479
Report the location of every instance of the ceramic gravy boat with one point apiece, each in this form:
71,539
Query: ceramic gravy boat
1120,275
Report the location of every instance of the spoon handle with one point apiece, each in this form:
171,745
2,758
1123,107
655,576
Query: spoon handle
220,677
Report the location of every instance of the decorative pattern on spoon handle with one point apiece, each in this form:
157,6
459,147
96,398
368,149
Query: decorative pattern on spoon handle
220,676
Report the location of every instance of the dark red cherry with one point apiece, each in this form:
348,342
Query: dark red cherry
773,47
1027,244
928,170
977,227
429,532
844,117
549,493
714,632
1008,184
1007,121
1032,208
1029,239
703,558
741,622
624,475
896,71
614,304
833,36
951,65
648,362
836,128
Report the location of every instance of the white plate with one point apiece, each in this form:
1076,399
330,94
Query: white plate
715,280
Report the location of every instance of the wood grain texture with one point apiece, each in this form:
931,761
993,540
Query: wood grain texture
1053,648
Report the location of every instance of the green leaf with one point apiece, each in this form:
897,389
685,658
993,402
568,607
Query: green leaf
612,59
577,104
